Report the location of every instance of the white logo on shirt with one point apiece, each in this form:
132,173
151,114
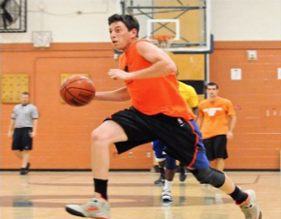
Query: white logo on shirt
212,111
181,122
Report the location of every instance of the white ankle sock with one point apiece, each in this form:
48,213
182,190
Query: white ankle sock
168,185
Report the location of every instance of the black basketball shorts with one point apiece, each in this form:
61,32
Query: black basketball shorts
182,138
21,139
216,147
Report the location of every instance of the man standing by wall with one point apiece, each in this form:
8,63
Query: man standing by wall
217,121
22,129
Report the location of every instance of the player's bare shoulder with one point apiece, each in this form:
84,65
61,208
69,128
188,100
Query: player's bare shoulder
144,46
151,52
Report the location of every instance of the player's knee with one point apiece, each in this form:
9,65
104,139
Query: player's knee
209,176
99,137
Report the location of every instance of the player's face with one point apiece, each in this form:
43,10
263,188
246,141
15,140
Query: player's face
24,99
120,36
212,91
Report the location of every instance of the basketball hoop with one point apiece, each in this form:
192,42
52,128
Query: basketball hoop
162,41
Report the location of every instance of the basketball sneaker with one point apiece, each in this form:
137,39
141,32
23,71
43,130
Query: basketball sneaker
96,208
25,170
166,196
160,181
250,208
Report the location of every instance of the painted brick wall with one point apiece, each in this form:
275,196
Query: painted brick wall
63,140
257,99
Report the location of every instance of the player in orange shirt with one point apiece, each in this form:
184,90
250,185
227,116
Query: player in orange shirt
158,112
216,121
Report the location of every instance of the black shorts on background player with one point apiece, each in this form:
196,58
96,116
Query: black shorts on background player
216,147
22,139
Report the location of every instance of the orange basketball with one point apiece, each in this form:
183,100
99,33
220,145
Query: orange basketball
77,90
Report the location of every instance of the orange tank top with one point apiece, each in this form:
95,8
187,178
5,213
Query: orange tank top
153,95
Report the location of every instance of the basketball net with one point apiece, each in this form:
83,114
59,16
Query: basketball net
162,41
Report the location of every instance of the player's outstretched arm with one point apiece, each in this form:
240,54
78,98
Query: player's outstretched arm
120,94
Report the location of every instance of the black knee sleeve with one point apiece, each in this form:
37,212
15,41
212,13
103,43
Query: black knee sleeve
209,176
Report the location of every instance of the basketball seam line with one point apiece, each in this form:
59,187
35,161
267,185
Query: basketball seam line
75,97
78,88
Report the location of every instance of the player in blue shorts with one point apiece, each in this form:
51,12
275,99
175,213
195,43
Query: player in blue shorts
167,164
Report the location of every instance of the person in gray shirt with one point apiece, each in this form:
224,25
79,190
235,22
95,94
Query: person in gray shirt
22,129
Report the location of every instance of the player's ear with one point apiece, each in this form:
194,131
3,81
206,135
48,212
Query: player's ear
134,33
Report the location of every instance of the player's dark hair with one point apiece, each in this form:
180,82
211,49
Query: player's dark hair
212,84
25,93
130,21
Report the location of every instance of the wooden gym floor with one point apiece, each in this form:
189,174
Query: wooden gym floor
132,196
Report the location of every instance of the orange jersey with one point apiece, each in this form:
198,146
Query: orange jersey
214,116
153,95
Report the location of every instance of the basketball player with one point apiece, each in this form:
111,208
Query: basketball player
22,129
158,112
216,121
167,175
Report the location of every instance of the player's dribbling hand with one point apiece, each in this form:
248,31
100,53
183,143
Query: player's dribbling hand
117,74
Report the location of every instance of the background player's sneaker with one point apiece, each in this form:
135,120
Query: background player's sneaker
166,196
96,208
183,173
161,180
25,170
251,209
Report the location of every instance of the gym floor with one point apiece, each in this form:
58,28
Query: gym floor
132,195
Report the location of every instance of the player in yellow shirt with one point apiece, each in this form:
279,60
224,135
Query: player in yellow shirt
189,95
167,175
